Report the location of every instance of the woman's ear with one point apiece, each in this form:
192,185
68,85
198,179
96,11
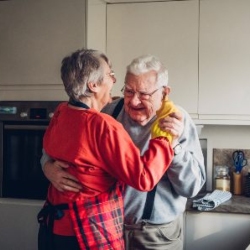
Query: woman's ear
93,87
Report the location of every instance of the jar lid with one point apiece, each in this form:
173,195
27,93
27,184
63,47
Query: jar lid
223,172
220,169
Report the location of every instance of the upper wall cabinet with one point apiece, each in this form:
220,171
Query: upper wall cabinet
96,24
168,30
224,61
35,36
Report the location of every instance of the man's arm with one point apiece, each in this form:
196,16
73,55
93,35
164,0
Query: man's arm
187,171
56,174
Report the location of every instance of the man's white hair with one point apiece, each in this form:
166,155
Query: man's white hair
146,63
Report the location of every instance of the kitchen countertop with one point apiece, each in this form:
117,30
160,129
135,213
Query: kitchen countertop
237,204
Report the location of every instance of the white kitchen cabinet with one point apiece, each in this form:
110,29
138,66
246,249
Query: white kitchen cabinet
224,61
96,25
35,37
168,30
217,231
18,224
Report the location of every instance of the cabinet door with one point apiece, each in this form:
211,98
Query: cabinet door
210,230
35,36
224,60
168,30
19,227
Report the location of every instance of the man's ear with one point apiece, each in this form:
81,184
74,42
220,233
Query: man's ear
93,87
166,92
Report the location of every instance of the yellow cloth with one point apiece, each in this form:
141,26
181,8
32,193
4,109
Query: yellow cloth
166,109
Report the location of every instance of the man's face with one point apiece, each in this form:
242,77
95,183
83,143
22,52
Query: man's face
138,105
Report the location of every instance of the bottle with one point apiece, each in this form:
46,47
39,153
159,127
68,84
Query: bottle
247,184
222,178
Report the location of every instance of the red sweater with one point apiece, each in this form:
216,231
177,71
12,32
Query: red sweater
100,152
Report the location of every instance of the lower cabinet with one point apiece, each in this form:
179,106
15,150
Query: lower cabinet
18,224
202,230
217,231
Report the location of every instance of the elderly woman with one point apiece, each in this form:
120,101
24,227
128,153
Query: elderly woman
100,154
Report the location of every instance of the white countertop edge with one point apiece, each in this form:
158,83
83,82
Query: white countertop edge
25,202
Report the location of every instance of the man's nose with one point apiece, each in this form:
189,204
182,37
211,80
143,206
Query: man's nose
135,99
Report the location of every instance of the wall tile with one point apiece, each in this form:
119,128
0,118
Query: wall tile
224,157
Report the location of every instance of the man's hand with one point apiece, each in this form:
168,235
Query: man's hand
167,107
60,179
173,124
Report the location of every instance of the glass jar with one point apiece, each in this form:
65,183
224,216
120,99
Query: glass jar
222,178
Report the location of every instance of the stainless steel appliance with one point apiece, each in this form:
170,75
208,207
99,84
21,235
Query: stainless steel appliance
203,143
22,126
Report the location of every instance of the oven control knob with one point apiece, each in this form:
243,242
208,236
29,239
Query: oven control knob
24,114
51,115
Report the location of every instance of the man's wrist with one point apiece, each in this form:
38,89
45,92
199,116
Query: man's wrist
177,149
46,163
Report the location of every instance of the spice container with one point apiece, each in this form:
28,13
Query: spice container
222,178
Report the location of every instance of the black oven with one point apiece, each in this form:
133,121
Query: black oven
22,126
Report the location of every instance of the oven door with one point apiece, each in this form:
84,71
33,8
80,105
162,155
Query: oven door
22,176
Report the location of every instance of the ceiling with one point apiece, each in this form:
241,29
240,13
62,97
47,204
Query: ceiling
138,1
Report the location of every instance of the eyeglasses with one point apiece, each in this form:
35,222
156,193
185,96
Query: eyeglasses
112,73
141,95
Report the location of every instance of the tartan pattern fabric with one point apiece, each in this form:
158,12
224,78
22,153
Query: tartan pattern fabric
98,221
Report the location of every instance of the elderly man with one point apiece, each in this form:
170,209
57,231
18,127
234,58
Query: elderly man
153,219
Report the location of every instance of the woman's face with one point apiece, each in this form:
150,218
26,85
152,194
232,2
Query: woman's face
104,95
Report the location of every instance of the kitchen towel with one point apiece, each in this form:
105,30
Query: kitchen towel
212,200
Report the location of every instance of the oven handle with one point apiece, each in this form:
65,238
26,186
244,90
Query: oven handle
25,127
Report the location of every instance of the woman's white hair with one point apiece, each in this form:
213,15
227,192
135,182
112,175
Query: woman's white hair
80,68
